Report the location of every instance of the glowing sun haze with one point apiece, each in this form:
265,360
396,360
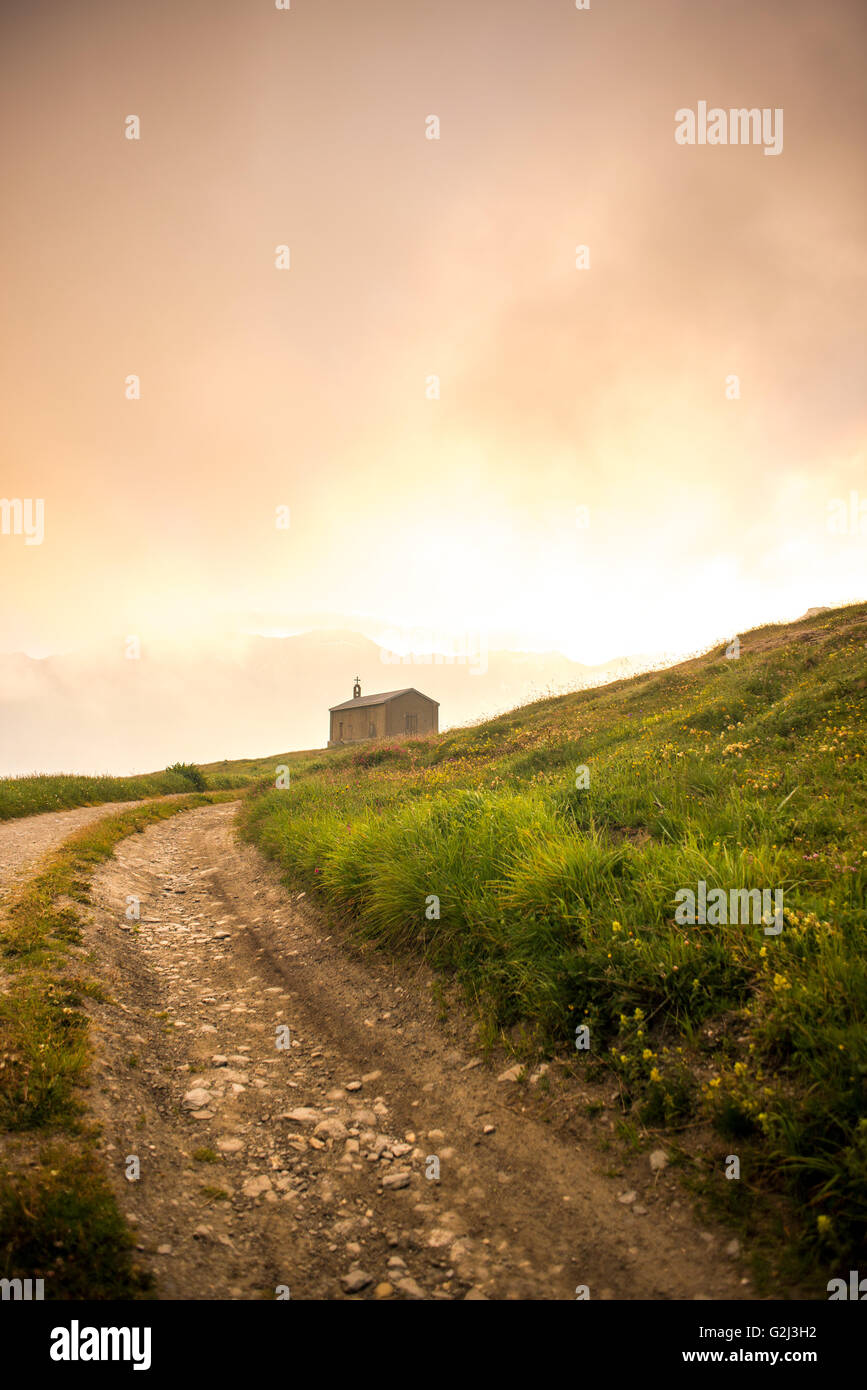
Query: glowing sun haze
600,388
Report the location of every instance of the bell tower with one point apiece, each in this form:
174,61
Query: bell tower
356,689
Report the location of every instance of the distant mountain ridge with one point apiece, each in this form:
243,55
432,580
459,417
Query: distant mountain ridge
98,711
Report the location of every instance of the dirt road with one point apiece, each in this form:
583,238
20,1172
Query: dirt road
310,1166
25,840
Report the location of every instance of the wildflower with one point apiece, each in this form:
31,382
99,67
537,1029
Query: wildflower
646,1054
654,1074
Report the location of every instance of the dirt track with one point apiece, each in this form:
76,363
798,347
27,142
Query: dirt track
319,1182
24,841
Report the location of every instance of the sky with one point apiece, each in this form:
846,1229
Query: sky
589,479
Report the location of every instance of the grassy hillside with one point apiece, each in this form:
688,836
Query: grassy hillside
28,796
557,900
253,769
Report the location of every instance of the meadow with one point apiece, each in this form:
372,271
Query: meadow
536,859
30,795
